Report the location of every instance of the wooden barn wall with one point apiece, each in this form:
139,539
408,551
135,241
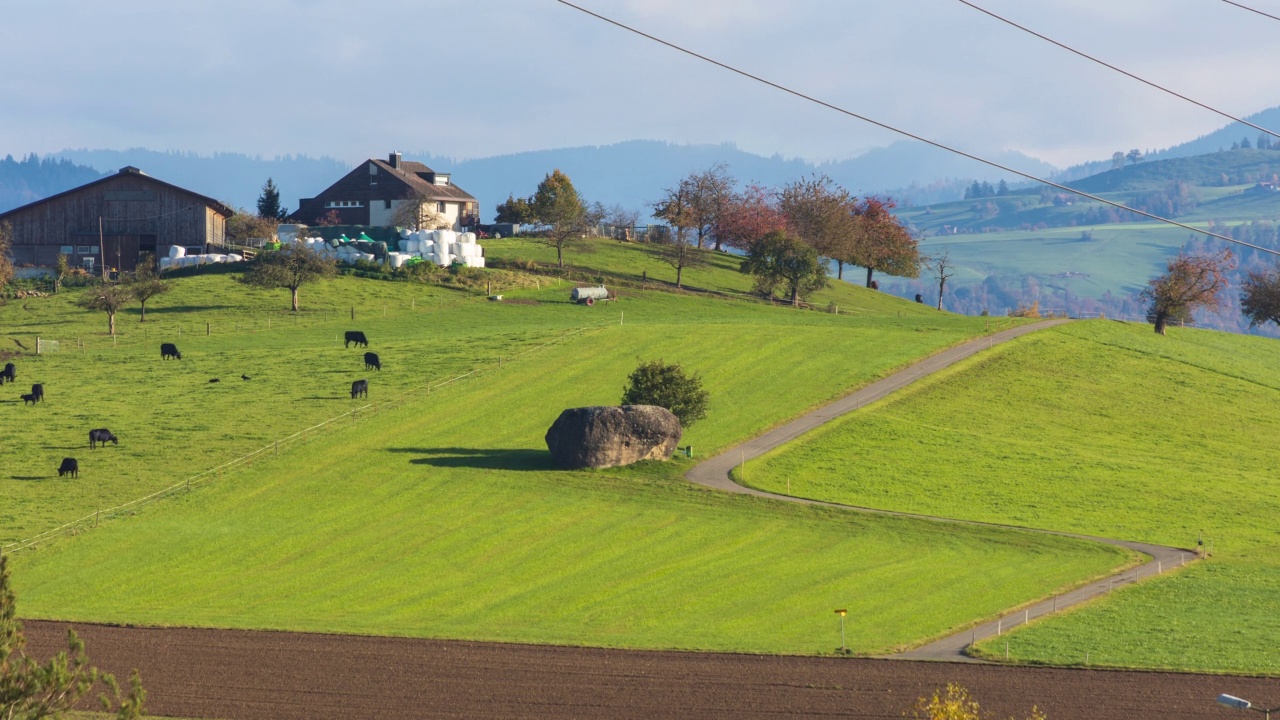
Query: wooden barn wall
134,209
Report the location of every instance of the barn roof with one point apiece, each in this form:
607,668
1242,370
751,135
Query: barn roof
219,207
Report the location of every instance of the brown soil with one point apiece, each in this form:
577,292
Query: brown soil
282,676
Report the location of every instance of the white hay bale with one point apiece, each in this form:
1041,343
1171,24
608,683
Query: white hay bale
232,257
166,263
475,261
405,233
177,251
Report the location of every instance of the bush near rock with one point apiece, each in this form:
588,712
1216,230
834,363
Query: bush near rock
609,436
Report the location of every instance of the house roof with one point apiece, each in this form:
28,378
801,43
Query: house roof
416,174
127,170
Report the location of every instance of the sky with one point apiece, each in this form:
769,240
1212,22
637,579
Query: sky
476,78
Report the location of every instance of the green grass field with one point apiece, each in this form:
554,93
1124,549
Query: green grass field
442,518
1102,428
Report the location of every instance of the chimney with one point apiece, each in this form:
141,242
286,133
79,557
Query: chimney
394,160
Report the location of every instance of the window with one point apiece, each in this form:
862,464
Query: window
343,203
67,250
440,207
87,250
386,204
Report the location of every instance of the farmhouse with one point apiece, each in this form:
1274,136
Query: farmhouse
110,221
378,190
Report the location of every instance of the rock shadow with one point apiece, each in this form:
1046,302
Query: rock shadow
484,459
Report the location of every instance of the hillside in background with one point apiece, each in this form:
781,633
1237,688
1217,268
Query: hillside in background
32,178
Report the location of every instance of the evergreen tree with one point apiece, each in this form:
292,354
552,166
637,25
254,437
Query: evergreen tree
974,192
987,190
1002,189
1245,144
269,202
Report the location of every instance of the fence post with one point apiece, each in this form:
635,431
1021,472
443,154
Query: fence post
208,329
37,344
353,312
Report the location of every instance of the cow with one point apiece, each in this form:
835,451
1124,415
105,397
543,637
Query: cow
359,388
355,336
213,380
169,350
28,399
101,435
9,373
37,390
371,362
919,298
70,467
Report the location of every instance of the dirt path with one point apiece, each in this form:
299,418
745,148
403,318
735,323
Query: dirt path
246,675
714,473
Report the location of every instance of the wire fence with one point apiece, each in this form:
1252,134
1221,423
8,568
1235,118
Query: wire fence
273,448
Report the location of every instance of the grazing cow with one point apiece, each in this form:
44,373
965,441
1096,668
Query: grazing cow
101,435
355,336
169,350
359,388
919,298
371,362
9,373
212,380
70,467
28,399
245,377
37,390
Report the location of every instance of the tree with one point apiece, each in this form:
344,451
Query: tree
108,299
244,226
821,213
955,703
518,211
1134,156
1193,281
1260,301
558,205
419,213
1117,160
329,219
881,242
709,193
674,209
749,216
269,203
679,253
778,259
289,267
6,258
31,691
61,269
620,217
146,283
1245,144
1003,188
943,270
657,383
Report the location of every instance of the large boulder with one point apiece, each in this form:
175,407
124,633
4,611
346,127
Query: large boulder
605,436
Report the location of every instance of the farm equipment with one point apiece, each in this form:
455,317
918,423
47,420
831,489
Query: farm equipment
590,295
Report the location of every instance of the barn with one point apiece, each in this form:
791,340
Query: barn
111,221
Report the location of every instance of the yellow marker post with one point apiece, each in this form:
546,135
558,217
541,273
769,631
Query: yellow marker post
842,612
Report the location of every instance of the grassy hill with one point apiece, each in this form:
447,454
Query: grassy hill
440,516
1102,428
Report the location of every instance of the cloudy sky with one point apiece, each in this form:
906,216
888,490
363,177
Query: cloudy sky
473,78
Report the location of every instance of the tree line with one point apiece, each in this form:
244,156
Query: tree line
787,235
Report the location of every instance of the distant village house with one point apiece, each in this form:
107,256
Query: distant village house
111,221
376,192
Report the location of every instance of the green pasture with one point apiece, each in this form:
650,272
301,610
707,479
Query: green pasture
1103,428
441,517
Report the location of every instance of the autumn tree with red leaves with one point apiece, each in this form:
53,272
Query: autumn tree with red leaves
748,216
1193,281
821,213
881,243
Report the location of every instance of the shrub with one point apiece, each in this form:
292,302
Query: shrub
657,383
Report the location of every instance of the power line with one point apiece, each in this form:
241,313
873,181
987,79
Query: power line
1252,10
911,135
1126,73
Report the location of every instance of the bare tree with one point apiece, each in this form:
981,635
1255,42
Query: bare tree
146,283
108,299
943,270
419,213
1193,281
674,208
709,193
680,254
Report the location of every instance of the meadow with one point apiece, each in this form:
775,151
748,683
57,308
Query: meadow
1103,428
441,517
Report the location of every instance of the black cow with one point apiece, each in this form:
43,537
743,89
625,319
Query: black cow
70,467
28,399
37,391
101,435
355,336
9,373
919,298
169,350
371,362
359,388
